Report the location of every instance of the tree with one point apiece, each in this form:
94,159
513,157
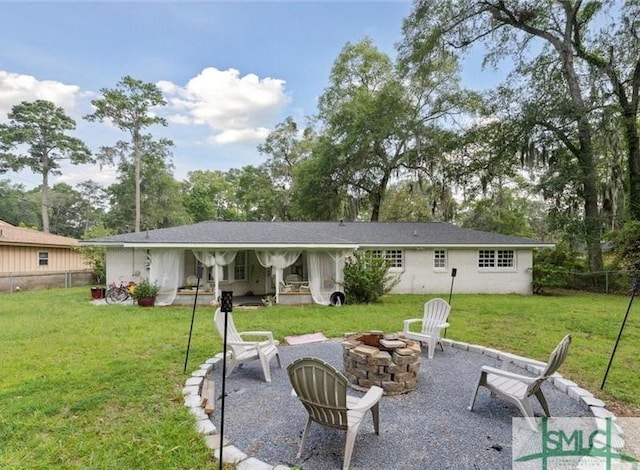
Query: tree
161,198
209,195
17,206
511,29
66,207
128,107
96,255
286,148
366,115
621,66
256,196
41,127
94,204
383,122
316,194
416,201
503,212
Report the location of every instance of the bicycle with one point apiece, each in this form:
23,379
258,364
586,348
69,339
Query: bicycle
117,294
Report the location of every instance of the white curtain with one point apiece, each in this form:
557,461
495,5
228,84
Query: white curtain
216,260
326,275
277,260
164,270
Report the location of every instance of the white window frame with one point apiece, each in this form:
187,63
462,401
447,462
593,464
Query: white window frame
497,260
394,256
241,266
43,258
440,256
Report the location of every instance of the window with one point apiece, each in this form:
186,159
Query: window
43,258
496,259
240,268
439,259
506,259
394,257
486,259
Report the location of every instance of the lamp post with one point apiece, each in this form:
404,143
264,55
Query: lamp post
635,286
226,306
454,271
193,314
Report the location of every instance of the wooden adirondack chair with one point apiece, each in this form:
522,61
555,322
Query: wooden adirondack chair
434,320
518,388
243,350
323,391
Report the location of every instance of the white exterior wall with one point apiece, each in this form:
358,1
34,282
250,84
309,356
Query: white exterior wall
126,264
418,275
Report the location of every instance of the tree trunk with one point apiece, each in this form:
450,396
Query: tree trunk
137,164
584,154
377,196
44,201
633,145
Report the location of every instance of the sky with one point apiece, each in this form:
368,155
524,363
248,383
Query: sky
229,71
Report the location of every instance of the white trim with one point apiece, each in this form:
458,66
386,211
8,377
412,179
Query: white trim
227,246
439,269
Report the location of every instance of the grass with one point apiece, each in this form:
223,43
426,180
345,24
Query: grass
86,386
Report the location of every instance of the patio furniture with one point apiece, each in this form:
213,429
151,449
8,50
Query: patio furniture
518,388
244,350
434,320
284,287
323,391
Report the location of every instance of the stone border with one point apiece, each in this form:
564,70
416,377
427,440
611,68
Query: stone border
196,389
195,393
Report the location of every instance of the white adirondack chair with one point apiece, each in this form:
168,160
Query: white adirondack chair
244,350
323,391
434,320
517,388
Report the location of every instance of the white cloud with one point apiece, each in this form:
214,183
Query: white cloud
238,109
233,136
74,174
16,88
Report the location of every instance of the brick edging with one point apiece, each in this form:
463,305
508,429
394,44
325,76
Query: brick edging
193,399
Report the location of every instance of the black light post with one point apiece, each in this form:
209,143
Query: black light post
226,306
635,286
193,314
454,271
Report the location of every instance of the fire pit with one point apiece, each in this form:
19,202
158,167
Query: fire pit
385,360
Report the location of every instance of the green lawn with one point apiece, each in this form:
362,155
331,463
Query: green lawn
86,386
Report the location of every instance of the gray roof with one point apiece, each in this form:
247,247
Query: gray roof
232,234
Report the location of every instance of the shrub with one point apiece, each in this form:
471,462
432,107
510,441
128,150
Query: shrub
552,268
144,290
366,278
627,246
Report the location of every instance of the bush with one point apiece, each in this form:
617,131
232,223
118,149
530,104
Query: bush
144,290
366,278
627,246
552,268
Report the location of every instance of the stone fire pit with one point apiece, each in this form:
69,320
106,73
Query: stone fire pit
385,360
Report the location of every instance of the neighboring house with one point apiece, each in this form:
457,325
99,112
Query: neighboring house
34,260
300,261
